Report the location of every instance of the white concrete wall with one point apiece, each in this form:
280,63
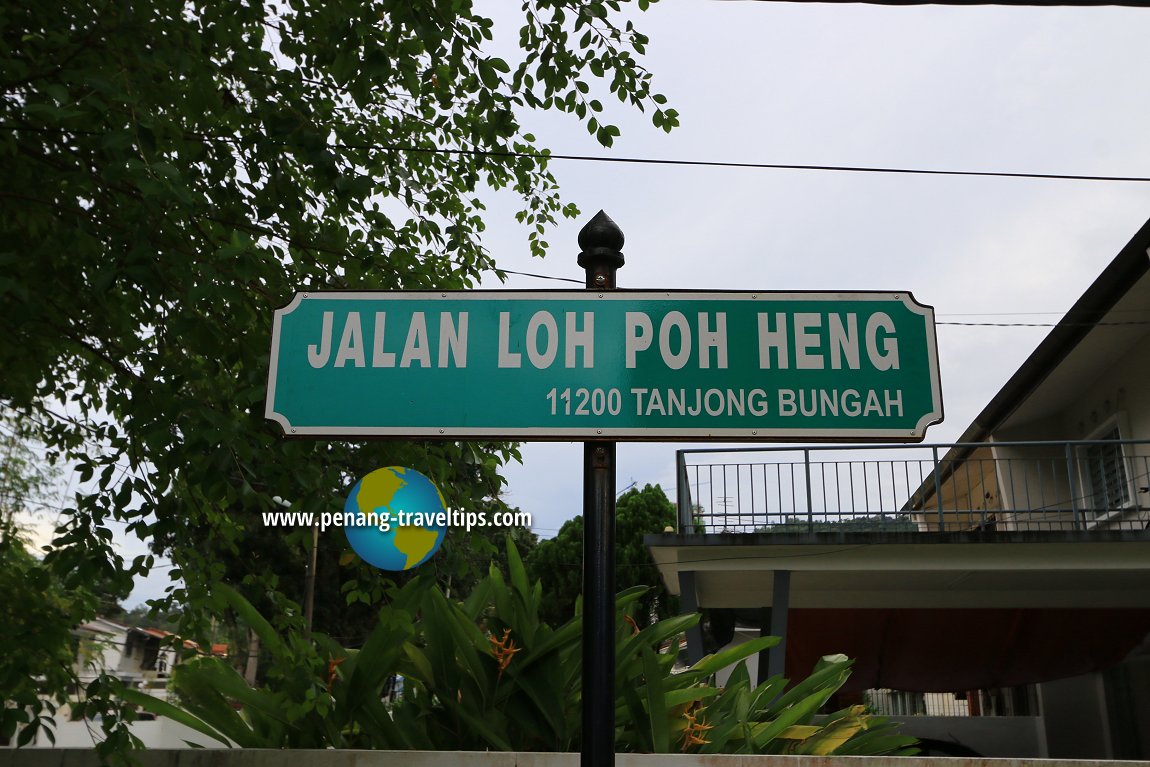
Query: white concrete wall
1119,394
1002,736
1033,478
1120,388
1122,394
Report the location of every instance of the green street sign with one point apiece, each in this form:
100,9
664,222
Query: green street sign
629,365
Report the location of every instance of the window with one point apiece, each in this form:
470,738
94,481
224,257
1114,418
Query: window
1106,482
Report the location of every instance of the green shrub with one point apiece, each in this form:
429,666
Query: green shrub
487,673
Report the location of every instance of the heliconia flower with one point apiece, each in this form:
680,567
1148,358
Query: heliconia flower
503,650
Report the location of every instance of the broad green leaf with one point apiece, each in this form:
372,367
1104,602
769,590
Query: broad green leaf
720,660
656,703
269,637
159,707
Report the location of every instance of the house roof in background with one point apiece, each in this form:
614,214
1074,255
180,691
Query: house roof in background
102,626
1122,284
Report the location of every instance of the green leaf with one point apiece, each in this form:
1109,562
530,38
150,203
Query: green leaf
714,662
518,572
830,673
180,175
163,708
656,703
269,638
203,699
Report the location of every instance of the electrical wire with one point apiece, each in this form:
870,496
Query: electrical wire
944,322
539,276
685,163
1044,324
748,165
507,154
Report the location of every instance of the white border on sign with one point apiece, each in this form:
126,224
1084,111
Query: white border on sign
653,434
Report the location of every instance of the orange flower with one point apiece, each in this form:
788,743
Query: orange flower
503,650
331,667
695,729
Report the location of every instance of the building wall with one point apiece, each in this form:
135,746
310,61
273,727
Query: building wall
1080,714
1128,703
100,652
1119,395
970,495
1034,482
1076,718
1121,388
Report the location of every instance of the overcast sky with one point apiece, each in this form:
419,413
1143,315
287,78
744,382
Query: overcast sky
985,89
976,89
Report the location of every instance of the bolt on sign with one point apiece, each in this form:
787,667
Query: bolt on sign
629,365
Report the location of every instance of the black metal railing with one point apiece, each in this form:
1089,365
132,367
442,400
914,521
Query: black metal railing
999,486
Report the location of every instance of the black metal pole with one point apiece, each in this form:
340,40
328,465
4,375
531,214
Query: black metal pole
601,242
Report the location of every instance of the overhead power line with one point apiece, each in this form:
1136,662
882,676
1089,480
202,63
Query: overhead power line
1044,324
540,276
684,163
370,146
749,165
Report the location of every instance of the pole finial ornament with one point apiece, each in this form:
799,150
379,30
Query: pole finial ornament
601,241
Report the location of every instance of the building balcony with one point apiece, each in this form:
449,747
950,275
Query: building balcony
1095,489
939,568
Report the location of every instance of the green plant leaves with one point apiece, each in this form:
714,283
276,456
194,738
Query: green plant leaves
172,172
489,674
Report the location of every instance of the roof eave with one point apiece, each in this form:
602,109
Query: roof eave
1130,265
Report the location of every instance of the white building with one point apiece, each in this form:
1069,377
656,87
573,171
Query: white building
1010,571
140,657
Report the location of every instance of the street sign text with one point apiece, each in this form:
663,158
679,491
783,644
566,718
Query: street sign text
638,365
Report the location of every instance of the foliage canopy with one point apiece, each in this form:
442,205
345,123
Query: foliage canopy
176,169
37,614
557,562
